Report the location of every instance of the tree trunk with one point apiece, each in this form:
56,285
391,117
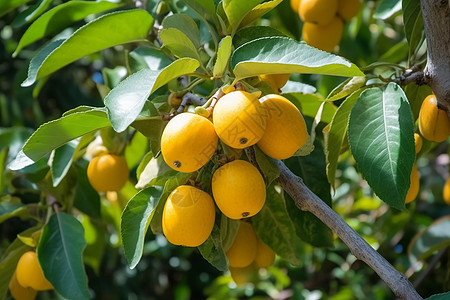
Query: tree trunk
436,19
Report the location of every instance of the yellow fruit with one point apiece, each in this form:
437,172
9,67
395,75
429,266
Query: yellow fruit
347,9
446,192
323,37
286,129
264,255
295,5
238,189
243,250
434,124
188,142
19,292
275,81
242,276
29,273
418,142
320,12
414,187
239,119
174,100
107,172
188,216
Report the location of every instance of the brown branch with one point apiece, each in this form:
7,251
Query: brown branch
437,31
412,76
306,200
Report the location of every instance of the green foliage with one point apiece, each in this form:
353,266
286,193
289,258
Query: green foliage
60,256
136,218
381,138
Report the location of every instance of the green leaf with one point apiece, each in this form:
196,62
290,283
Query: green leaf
413,23
223,56
54,134
416,94
311,169
13,138
171,184
202,7
109,30
251,33
149,58
156,172
9,259
186,25
267,166
179,44
381,137
274,227
443,296
236,11
434,238
60,256
346,88
62,160
228,230
125,102
8,5
309,104
396,54
136,218
306,149
259,11
11,207
276,55
31,13
213,252
337,134
59,18
387,8
86,199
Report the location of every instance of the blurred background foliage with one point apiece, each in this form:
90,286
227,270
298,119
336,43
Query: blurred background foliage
169,272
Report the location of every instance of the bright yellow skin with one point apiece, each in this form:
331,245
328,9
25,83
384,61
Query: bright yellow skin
434,124
275,81
320,12
19,292
418,142
347,9
108,172
242,276
323,37
446,192
264,255
239,119
188,142
285,130
29,273
295,5
414,187
188,216
243,250
238,189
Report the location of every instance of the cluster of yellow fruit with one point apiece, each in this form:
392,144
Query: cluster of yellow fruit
434,125
28,278
188,142
107,172
324,20
247,254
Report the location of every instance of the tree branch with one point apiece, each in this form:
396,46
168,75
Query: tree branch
306,200
437,30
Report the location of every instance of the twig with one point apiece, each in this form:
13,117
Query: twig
430,267
53,202
306,200
412,75
217,95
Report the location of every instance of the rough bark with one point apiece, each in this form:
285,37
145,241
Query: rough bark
306,200
436,18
